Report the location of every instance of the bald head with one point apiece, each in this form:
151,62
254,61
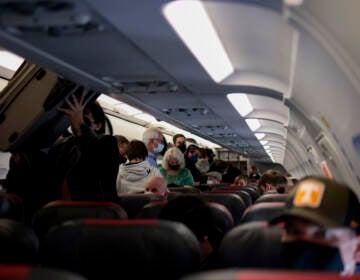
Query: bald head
157,185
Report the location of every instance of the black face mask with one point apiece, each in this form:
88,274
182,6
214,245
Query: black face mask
303,255
182,147
174,167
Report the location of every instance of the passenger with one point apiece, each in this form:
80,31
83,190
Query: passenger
240,181
133,175
157,185
203,166
174,170
213,178
254,173
191,157
86,164
193,212
123,144
153,140
272,181
230,173
179,141
318,232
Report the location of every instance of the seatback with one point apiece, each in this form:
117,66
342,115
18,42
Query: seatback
133,203
223,218
244,274
19,243
232,202
272,198
11,207
57,212
246,197
253,193
252,245
184,190
265,211
102,249
25,272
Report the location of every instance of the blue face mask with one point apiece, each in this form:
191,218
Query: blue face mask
194,158
303,255
158,149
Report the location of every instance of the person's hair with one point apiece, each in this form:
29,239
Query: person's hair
166,146
176,136
150,133
159,183
121,139
238,178
173,153
137,149
194,213
274,178
220,166
192,148
98,115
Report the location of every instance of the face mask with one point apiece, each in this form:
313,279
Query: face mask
182,147
194,158
303,255
159,148
174,166
209,182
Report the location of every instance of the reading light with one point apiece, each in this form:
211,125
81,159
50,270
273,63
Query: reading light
241,103
254,124
192,24
9,60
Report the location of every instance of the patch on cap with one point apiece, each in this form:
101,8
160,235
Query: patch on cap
309,194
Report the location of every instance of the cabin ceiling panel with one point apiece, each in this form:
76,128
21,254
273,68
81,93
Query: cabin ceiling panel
263,51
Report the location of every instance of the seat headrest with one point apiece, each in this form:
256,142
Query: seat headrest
223,218
151,210
265,211
99,249
11,207
272,198
24,272
18,243
234,274
252,245
57,212
133,203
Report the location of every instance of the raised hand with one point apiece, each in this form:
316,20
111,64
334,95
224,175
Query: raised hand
75,110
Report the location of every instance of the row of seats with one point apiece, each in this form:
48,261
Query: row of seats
20,272
102,248
132,206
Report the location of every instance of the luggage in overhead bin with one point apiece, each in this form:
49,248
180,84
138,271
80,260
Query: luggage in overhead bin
29,116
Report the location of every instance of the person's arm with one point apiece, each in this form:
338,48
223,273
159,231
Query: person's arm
75,112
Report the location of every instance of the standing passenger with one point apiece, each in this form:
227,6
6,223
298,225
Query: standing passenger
173,169
153,140
180,142
133,175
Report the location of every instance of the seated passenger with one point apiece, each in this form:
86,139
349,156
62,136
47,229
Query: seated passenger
272,181
213,178
134,174
318,233
193,212
240,181
173,169
157,185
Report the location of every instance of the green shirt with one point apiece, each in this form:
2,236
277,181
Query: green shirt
183,178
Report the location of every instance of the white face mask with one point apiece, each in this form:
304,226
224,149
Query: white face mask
209,182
